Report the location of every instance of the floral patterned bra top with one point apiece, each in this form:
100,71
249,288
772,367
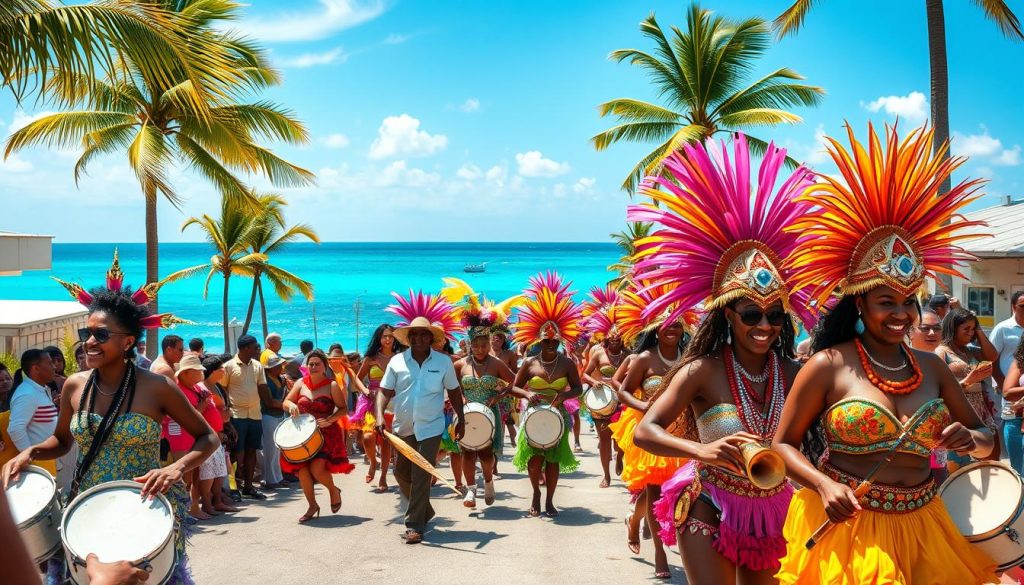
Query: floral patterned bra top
858,425
479,389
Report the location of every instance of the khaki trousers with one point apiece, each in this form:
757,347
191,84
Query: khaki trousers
415,483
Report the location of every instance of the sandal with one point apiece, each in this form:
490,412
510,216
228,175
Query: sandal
309,516
663,575
633,545
413,537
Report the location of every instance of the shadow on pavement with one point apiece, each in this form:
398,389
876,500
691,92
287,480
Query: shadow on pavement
440,537
576,516
337,521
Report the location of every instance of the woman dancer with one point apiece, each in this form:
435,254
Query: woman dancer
883,227
320,396
378,353
972,368
1013,393
548,317
113,411
735,372
603,360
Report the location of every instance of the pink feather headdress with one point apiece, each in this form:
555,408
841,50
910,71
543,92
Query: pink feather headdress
714,242
142,296
435,309
599,312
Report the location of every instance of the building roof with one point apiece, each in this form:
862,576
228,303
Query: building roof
1005,231
15,314
24,252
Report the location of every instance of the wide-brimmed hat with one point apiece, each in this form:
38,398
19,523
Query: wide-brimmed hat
402,333
190,361
274,361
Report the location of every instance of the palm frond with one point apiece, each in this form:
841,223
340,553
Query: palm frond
201,161
634,132
104,141
792,19
287,284
267,119
150,158
63,130
759,117
637,110
999,12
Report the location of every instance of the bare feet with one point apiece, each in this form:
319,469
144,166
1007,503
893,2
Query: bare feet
199,514
225,508
550,511
607,481
535,505
210,511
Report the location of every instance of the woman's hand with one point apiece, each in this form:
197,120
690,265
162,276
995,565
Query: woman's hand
203,403
293,410
957,437
160,481
13,468
982,371
725,452
533,398
839,501
119,573
323,423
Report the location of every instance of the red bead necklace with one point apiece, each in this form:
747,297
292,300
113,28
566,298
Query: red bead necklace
889,386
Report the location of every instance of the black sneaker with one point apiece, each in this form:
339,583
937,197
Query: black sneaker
236,496
253,493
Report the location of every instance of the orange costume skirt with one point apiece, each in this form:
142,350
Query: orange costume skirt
913,542
639,468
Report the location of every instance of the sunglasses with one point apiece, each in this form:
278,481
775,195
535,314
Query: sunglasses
100,334
752,317
929,328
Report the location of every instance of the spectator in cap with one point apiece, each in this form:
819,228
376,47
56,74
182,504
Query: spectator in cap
272,477
940,304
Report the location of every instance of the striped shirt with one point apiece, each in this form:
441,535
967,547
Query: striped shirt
33,415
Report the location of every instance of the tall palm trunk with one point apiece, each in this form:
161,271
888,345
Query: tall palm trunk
227,330
252,305
152,263
940,89
263,309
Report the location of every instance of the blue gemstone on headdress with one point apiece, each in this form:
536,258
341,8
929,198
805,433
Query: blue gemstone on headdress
763,277
905,265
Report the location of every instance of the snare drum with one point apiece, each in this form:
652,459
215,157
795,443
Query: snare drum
543,426
299,438
480,426
35,507
985,500
113,521
601,401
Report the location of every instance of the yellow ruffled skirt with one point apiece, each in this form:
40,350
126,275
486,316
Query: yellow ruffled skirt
922,547
639,468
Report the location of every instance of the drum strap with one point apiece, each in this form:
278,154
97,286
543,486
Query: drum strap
126,391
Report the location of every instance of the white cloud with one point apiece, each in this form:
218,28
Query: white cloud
496,173
21,119
1009,157
533,164
311,24
14,164
913,106
471,105
816,154
400,135
985,146
332,57
584,185
335,141
396,39
398,174
469,172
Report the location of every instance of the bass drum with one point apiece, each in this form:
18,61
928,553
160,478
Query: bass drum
480,426
985,501
601,401
543,426
299,438
113,521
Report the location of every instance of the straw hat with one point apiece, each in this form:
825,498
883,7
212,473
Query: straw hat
190,361
402,333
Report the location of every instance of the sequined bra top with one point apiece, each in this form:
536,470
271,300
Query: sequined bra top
649,386
857,425
479,389
721,420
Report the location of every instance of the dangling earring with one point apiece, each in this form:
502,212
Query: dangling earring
859,325
728,334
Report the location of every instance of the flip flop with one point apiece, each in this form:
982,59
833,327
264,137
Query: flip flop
413,537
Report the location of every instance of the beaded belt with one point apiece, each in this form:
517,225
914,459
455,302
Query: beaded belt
887,498
735,484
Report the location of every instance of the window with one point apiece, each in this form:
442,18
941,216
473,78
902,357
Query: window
982,301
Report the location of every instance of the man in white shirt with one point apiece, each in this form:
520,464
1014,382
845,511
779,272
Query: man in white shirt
417,379
33,414
1005,336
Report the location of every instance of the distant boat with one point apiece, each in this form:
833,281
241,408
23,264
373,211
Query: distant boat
475,268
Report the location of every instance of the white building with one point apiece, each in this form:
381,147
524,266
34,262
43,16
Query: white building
37,324
999,270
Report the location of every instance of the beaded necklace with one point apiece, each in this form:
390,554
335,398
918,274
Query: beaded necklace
759,420
888,386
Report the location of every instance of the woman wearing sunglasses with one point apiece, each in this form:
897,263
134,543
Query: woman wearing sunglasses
113,411
736,370
881,229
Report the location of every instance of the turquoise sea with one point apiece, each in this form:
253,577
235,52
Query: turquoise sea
341,273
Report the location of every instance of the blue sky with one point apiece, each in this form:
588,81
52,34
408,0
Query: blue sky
470,121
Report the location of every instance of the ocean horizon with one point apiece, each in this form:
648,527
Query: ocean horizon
342,274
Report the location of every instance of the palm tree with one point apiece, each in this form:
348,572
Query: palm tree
626,240
156,124
268,236
229,235
40,37
700,73
790,21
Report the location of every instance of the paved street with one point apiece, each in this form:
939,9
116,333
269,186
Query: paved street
264,544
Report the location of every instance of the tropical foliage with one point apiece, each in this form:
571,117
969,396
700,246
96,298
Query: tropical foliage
269,235
626,240
701,75
159,123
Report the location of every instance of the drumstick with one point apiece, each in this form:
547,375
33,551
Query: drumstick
414,456
868,480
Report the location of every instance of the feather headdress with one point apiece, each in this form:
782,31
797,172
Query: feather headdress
632,317
599,312
717,238
142,296
474,310
547,312
884,221
435,309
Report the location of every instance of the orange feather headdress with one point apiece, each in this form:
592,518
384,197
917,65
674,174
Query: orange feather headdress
632,315
547,312
883,220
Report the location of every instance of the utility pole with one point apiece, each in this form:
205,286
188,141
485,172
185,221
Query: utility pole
316,339
356,307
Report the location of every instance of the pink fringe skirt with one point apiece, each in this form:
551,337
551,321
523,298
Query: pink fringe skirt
750,531
359,412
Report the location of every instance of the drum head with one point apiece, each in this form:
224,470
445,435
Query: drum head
981,497
113,521
598,397
294,431
479,426
31,494
543,425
